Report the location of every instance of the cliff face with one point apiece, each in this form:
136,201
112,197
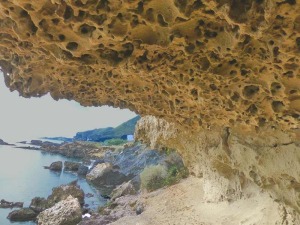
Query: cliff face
223,75
199,63
234,165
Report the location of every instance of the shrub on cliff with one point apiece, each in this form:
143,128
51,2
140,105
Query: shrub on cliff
153,177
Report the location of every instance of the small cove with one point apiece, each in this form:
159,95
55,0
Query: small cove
22,177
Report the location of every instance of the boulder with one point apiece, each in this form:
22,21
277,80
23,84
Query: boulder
65,212
71,166
6,204
82,170
62,192
122,190
55,166
105,174
98,171
25,214
39,204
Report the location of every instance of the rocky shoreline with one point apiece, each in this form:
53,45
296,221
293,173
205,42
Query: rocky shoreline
114,170
4,143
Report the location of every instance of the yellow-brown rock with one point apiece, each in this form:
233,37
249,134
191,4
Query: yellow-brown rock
199,63
224,76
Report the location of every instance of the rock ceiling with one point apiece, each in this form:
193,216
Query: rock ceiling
199,63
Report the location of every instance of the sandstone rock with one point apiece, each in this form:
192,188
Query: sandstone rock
39,204
211,62
122,190
65,212
71,166
62,192
25,214
230,160
222,76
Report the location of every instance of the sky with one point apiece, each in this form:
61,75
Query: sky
29,118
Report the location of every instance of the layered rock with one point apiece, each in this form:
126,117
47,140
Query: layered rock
230,161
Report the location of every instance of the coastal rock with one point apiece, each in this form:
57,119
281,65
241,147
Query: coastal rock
3,142
62,192
71,166
55,166
65,212
82,170
122,190
104,174
25,214
39,204
6,204
99,170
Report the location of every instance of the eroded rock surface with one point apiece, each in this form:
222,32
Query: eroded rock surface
198,63
65,212
223,74
231,161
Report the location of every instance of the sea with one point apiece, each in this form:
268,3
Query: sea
23,177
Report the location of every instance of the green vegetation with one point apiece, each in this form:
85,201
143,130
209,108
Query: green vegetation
155,177
102,134
175,174
114,141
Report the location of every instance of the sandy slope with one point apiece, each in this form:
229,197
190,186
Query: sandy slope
183,204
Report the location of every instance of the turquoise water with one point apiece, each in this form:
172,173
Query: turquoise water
22,177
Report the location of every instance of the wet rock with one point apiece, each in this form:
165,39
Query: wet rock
82,170
25,214
39,204
65,212
71,166
122,190
55,166
6,204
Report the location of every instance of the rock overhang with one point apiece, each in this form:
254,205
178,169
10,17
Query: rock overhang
196,63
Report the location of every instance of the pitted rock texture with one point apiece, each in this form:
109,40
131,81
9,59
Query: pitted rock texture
199,63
